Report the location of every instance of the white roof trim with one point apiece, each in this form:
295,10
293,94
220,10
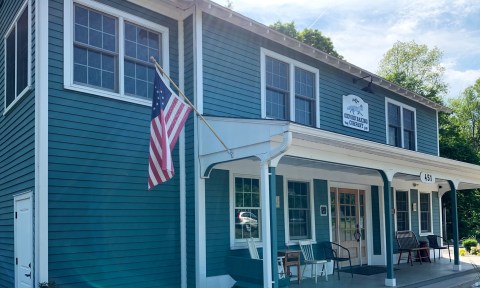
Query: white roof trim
257,137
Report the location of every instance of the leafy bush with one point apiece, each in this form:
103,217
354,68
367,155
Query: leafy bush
462,252
469,243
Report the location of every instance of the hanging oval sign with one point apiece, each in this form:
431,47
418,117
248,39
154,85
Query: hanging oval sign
427,177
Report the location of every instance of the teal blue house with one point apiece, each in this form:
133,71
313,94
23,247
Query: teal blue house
317,148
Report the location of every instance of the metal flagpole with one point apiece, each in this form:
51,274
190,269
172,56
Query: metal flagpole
191,105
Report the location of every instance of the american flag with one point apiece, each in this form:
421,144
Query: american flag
169,114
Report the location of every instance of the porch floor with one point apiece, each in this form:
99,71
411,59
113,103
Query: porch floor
436,274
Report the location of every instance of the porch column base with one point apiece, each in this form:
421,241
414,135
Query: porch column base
390,282
457,267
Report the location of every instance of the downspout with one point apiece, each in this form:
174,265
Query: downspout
269,250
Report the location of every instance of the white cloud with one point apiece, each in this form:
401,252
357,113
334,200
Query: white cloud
459,80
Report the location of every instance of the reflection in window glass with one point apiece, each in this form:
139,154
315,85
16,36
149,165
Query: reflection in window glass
247,208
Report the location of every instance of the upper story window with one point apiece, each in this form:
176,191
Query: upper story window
111,52
290,89
17,58
299,214
247,209
401,125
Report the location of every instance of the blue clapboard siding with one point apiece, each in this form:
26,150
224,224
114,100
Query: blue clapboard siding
189,152
231,58
105,228
376,223
17,148
322,224
231,70
217,221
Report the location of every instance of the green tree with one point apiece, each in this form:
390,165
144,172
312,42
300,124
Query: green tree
459,140
416,68
466,114
311,37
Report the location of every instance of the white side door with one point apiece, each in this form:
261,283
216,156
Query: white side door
23,228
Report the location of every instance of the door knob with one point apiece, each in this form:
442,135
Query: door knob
29,275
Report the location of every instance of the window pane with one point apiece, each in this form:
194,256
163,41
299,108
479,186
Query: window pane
22,52
81,34
10,68
81,16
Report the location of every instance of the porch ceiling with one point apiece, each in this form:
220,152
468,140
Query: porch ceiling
309,147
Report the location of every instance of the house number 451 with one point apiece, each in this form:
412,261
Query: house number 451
427,177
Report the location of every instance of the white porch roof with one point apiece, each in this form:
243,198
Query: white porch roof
299,145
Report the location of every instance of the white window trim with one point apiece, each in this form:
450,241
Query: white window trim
408,207
402,106
313,238
241,243
419,210
26,5
121,16
292,64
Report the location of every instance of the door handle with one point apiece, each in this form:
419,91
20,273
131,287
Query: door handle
29,275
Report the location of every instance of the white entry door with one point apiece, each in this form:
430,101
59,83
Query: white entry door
23,241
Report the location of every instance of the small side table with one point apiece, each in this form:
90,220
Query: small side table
292,258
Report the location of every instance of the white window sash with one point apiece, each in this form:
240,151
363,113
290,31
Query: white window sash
121,17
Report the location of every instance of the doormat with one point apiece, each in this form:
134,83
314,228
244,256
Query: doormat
366,270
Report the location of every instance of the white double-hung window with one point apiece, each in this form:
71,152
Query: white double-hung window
289,89
401,125
298,211
108,51
246,209
425,212
17,58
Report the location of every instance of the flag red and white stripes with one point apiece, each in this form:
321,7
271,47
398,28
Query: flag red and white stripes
169,114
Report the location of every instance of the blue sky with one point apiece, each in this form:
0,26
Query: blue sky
362,31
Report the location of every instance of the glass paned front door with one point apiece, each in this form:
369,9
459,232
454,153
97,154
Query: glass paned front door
348,222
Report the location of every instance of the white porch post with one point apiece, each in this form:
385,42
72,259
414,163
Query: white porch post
267,243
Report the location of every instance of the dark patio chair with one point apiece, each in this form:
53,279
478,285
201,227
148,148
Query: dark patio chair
433,244
333,252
